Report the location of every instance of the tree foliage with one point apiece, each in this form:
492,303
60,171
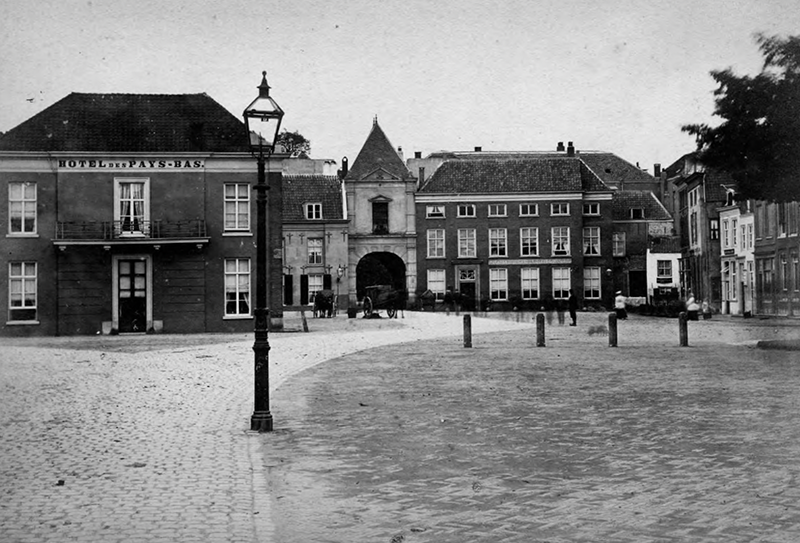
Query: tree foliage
294,143
758,140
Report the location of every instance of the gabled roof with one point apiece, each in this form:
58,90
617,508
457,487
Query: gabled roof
559,174
625,200
135,123
377,153
305,189
614,170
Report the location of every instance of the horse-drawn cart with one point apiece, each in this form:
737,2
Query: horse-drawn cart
325,303
383,297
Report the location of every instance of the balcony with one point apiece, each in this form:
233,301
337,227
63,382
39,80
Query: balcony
154,233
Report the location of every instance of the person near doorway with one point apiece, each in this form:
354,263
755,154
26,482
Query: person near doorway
692,308
619,306
573,308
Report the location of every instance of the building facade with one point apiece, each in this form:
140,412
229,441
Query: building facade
507,232
776,251
382,238
131,213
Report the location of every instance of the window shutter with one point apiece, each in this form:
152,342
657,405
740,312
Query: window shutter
288,290
304,289
326,281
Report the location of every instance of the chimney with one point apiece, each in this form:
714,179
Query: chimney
478,149
570,149
417,154
656,170
343,171
560,147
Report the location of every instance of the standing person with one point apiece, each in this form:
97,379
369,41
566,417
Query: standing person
619,306
692,308
573,308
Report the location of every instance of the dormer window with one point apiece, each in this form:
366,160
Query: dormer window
637,213
313,211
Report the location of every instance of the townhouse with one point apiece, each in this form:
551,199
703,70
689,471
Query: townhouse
505,231
131,213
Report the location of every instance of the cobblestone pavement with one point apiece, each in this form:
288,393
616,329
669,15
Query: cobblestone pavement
577,441
144,438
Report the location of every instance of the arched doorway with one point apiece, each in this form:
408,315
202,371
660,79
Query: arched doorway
380,269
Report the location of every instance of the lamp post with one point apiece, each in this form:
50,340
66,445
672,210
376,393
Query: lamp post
262,119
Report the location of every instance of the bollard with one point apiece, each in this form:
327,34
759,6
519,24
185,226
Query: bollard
467,331
683,331
305,323
540,330
612,329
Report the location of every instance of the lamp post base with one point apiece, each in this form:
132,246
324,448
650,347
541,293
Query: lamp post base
261,422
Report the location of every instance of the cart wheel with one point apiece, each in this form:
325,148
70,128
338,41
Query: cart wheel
391,312
367,306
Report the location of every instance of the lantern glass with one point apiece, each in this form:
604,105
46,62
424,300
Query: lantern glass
263,120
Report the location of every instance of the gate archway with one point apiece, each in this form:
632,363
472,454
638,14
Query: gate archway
380,268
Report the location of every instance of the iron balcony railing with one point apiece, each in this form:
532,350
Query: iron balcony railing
122,230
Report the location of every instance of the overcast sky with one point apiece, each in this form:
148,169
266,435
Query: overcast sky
613,75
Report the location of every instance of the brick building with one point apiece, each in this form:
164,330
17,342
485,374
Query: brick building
513,230
131,213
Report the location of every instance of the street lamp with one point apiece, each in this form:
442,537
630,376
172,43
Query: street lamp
262,119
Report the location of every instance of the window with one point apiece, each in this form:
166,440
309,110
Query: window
561,283
436,243
591,283
734,231
663,271
313,211
237,206
795,271
22,208
466,243
529,241
132,197
618,244
743,237
314,250
784,271
637,213
237,287
559,209
530,283
380,217
734,285
782,227
22,291
726,236
694,196
560,240
498,284
466,210
436,283
528,210
693,227
591,240
497,242
315,284
591,208
713,227
749,236
497,210
434,212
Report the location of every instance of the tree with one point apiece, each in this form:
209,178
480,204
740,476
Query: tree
294,143
758,141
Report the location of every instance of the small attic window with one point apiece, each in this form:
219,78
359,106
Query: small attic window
313,211
637,213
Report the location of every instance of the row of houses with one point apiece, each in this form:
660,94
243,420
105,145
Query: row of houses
134,213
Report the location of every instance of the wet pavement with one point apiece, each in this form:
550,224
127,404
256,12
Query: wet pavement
144,438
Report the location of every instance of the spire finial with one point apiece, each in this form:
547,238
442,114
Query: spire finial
375,120
263,88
